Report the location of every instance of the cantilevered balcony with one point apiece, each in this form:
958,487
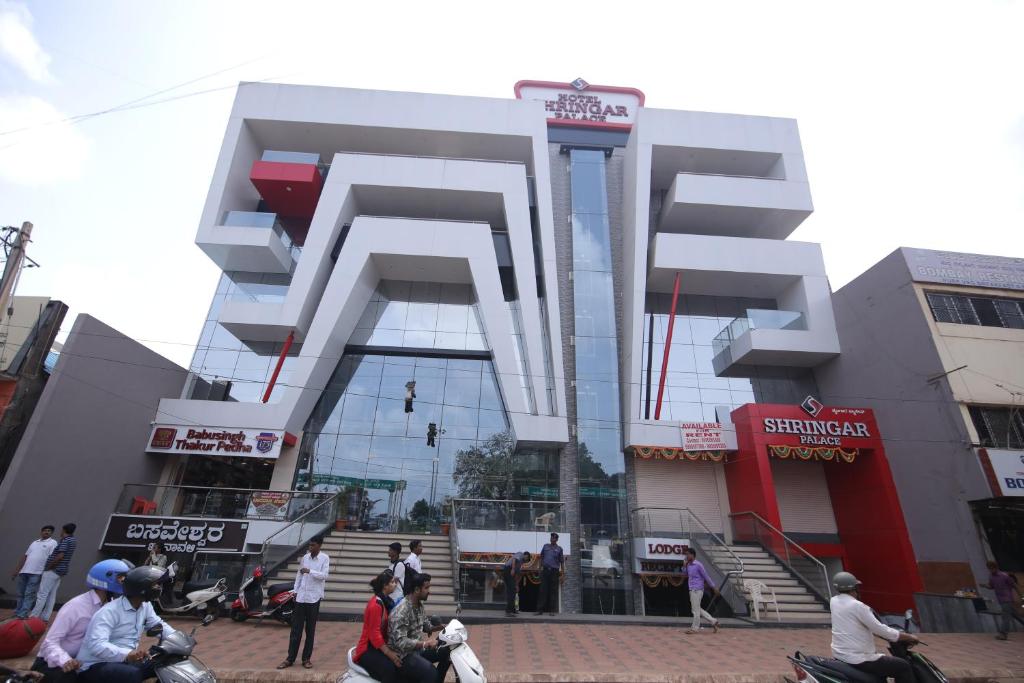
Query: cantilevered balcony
763,337
250,241
736,206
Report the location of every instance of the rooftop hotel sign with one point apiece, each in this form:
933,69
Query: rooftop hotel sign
582,104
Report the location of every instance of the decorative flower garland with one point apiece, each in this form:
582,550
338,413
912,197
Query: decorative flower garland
655,581
825,453
661,453
499,558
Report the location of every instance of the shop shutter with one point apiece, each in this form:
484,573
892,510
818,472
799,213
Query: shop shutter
802,494
675,484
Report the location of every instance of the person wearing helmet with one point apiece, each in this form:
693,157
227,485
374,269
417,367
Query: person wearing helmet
854,626
57,655
111,652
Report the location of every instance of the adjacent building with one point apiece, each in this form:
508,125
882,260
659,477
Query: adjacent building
934,342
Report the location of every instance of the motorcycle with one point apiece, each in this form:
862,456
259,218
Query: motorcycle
198,599
454,636
280,600
172,657
825,670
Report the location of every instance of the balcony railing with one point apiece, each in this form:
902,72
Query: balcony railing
757,319
261,219
508,515
223,503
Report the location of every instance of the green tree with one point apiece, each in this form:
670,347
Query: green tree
485,470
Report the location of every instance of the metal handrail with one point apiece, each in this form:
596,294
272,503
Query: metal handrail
712,534
790,541
297,520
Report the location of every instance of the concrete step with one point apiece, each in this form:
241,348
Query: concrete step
369,566
402,538
795,598
357,607
353,582
357,596
382,543
765,574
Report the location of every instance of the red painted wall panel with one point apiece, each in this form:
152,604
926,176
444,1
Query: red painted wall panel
273,180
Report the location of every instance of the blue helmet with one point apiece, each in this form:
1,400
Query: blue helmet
103,575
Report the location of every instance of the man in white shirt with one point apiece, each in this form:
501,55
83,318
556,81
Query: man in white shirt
30,571
398,569
111,651
854,626
309,591
413,558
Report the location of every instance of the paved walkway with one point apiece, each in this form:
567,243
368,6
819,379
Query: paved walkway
541,652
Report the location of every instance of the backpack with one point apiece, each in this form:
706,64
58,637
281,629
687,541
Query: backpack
407,578
19,636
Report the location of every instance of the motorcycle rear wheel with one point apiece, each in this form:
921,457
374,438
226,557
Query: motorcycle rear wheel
238,616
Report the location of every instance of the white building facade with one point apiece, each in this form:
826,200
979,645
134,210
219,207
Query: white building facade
431,303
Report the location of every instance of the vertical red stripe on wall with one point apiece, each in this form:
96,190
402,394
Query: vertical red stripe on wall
990,473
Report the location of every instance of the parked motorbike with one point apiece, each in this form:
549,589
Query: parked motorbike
454,636
172,657
194,599
814,669
280,599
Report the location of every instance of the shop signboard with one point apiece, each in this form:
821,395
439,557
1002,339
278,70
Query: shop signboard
581,104
703,436
844,427
538,491
191,440
269,504
177,534
601,492
965,270
659,555
1009,470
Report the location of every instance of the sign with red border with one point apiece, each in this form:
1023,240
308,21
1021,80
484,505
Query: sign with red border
581,104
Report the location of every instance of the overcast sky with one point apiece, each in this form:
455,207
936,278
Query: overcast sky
911,115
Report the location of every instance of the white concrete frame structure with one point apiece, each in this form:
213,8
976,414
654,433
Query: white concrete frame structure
733,188
392,155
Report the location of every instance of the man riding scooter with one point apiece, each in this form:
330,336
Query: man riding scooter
417,649
854,626
110,652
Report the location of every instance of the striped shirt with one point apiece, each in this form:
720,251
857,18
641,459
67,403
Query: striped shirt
66,546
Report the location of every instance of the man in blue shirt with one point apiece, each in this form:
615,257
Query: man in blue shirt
552,565
56,569
111,652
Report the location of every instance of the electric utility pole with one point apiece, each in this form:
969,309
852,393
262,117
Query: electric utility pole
15,241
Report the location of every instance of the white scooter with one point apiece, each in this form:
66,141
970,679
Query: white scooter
468,668
196,600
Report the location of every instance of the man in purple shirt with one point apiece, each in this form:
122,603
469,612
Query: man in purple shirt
1007,595
698,578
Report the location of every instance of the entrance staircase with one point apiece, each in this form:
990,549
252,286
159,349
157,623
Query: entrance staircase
357,557
797,604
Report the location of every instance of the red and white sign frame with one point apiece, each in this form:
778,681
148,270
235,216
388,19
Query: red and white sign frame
615,98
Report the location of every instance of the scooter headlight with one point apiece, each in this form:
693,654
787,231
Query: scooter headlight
455,636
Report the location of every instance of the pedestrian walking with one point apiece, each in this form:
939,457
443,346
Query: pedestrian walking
698,580
56,569
413,558
511,572
1007,595
552,568
30,571
397,567
309,591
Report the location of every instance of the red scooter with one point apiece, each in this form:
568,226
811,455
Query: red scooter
280,600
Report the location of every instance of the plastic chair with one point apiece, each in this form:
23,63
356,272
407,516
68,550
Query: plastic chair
759,592
544,521
143,506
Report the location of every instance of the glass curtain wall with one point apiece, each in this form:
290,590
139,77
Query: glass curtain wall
602,490
222,357
401,434
692,390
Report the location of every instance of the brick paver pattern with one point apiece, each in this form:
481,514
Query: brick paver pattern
555,651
